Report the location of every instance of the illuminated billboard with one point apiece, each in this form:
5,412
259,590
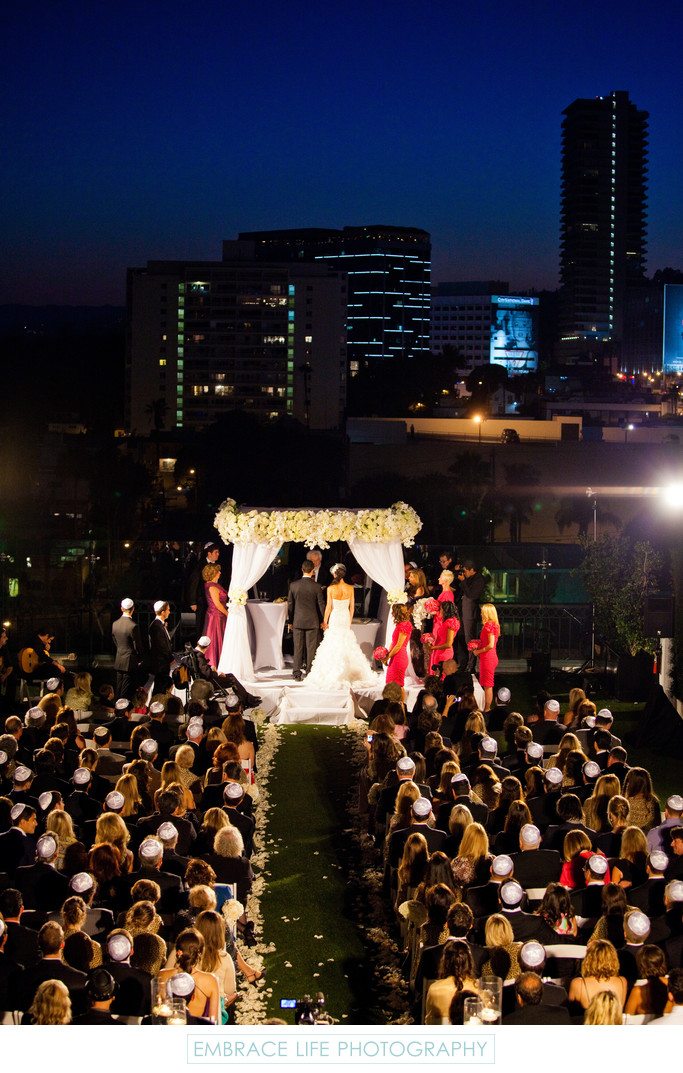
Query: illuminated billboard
672,357
514,333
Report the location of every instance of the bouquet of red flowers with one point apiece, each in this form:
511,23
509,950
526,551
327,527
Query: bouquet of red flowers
431,606
471,645
381,652
427,639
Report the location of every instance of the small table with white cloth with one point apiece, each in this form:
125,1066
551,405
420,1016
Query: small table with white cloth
266,625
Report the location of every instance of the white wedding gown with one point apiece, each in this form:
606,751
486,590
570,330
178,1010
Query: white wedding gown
339,661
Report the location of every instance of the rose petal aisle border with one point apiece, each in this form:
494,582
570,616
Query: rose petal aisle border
251,1008
391,988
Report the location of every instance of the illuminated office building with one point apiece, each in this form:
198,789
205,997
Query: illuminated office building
388,271
212,336
603,221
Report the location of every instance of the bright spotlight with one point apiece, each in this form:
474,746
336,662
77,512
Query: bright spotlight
673,496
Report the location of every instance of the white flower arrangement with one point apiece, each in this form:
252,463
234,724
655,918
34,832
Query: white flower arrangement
419,612
317,528
237,596
397,596
231,911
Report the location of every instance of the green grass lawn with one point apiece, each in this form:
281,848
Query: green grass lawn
322,909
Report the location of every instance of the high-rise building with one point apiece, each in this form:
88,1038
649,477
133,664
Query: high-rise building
212,336
388,272
603,221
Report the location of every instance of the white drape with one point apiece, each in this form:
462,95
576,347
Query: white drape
249,563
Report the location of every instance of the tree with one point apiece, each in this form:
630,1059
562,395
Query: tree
618,574
484,381
517,507
578,511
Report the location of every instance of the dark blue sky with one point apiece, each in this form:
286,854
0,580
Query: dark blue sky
135,131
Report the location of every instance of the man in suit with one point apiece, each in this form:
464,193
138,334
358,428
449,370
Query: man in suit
531,1009
316,558
150,856
305,607
471,589
41,886
549,731
535,867
51,967
195,591
160,650
129,655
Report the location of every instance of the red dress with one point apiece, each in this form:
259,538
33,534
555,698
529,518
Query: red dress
441,629
396,668
214,623
488,661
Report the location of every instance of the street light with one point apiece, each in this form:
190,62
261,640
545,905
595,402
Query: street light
591,494
478,421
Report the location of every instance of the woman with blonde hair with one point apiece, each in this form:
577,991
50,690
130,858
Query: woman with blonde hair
472,865
142,917
604,1009
486,650
442,791
215,819
599,972
184,759
575,848
127,786
109,827
487,786
51,1005
595,807
215,958
170,776
630,868
475,724
234,729
576,698
458,821
503,957
189,951
568,743
644,808
60,824
80,696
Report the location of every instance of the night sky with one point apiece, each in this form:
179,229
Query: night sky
136,131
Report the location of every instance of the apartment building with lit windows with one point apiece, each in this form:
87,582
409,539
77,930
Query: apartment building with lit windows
206,337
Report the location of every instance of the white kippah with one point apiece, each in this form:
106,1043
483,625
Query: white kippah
150,849
591,769
534,751
82,882
148,747
421,808
81,776
233,791
127,604
489,746
638,924
504,694
114,800
501,865
530,834
659,861
554,776
46,846
167,831
604,713
232,701
204,642
156,707
405,765
674,890
598,864
195,729
121,704
532,954
675,803
511,893
17,811
52,684
158,606
22,774
35,717
181,985
45,800
552,705
3,757
119,947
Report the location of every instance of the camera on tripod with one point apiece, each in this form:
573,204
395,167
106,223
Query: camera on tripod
307,1011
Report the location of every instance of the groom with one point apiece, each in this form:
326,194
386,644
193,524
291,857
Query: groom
306,607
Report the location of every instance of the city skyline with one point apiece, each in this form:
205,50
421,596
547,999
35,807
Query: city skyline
156,132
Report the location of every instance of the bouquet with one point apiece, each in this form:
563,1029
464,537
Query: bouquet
471,645
427,639
431,606
381,653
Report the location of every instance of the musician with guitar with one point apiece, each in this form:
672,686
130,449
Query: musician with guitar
35,660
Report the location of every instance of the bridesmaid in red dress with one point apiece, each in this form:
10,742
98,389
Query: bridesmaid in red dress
486,650
216,612
446,578
397,659
446,625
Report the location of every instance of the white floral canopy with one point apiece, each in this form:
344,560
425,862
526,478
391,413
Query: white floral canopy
374,536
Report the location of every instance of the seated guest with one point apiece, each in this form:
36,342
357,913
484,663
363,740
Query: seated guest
502,948
456,973
531,1010
652,996
599,972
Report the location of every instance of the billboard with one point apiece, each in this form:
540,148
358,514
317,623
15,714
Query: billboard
672,356
514,333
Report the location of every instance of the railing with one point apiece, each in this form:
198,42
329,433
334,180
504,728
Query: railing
563,632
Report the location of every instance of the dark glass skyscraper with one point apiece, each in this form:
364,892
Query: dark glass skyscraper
603,220
388,272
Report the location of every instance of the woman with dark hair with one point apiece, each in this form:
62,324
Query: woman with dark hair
644,810
507,840
339,661
510,790
189,950
438,871
112,890
611,923
652,996
396,660
411,870
446,625
456,973
630,868
557,911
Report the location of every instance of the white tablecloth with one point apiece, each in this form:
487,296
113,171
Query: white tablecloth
366,635
267,622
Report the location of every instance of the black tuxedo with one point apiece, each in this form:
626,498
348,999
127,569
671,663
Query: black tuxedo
54,969
170,885
134,989
129,655
41,886
541,1014
22,944
537,867
160,650
149,825
16,849
305,610
548,732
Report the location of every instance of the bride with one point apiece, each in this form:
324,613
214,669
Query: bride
339,661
